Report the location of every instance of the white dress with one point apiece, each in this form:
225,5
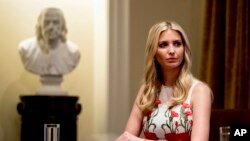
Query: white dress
172,125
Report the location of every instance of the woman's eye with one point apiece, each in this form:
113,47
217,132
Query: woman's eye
163,44
177,43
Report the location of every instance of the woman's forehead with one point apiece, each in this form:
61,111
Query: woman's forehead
169,34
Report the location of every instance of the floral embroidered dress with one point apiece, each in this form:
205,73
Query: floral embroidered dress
172,125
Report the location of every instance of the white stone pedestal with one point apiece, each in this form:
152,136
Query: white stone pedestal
51,85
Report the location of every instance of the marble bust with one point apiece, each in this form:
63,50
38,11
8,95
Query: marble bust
49,55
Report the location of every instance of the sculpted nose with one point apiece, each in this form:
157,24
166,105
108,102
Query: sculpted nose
50,25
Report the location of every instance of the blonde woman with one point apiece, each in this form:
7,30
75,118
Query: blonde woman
171,104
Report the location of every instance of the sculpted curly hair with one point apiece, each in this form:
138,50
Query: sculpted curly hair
40,25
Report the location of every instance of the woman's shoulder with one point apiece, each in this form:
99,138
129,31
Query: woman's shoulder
140,91
201,90
200,85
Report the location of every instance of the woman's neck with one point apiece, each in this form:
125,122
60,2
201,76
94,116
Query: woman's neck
170,76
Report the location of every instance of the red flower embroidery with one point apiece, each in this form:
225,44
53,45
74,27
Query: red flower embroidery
176,123
185,105
174,114
188,113
178,137
170,136
158,101
150,135
191,122
148,112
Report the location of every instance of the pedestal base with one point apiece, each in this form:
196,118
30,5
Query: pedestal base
36,111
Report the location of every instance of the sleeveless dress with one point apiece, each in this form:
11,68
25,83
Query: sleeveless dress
162,123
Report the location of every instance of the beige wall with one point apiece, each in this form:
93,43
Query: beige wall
18,19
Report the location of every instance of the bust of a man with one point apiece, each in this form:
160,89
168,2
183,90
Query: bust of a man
49,54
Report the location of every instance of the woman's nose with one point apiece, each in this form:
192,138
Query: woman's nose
171,50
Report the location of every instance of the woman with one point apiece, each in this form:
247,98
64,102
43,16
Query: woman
171,104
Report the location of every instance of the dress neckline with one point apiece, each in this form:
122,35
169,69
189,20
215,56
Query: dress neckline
167,86
166,93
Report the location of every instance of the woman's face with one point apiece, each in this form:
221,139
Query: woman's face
170,50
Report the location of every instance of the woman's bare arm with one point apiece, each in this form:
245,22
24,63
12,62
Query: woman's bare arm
201,102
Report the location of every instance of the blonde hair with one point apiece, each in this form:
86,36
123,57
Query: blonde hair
40,25
152,72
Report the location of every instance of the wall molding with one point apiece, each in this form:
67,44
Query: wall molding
118,105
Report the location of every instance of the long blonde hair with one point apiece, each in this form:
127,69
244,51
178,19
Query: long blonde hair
152,72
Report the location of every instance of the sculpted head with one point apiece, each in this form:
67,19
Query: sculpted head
51,25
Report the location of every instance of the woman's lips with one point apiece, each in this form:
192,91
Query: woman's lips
171,59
